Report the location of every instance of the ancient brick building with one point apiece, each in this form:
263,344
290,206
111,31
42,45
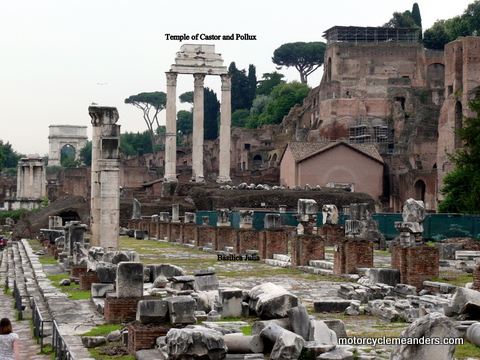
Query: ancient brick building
381,86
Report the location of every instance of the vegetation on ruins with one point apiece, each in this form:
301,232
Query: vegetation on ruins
151,104
445,31
283,97
462,185
305,57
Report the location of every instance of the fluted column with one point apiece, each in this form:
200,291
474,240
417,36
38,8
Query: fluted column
197,141
225,128
171,129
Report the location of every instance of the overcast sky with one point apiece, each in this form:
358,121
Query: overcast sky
57,57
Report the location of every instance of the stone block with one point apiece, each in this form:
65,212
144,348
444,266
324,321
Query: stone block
330,305
231,300
107,272
196,343
271,301
152,311
321,333
182,310
101,290
299,320
129,282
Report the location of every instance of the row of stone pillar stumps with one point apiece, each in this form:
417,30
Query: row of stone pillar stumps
296,247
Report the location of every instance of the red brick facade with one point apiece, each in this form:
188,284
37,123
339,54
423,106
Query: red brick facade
86,279
207,234
76,270
416,264
350,254
306,248
247,239
142,336
226,236
331,233
271,242
122,310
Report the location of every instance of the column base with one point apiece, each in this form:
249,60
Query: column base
170,178
223,179
197,179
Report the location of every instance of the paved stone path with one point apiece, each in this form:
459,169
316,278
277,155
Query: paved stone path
29,349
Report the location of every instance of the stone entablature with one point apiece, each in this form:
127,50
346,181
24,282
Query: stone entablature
198,59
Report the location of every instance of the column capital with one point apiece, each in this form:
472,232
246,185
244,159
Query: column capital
198,79
226,82
171,78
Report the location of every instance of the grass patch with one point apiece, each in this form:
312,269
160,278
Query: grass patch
381,252
72,290
246,330
44,259
454,278
103,330
466,350
110,351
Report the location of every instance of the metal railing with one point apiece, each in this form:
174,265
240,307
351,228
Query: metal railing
59,345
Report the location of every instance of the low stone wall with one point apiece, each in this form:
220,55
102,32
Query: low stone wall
141,336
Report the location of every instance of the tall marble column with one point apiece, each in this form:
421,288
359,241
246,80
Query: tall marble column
197,141
171,128
225,126
105,204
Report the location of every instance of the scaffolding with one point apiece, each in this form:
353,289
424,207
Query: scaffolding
358,34
364,132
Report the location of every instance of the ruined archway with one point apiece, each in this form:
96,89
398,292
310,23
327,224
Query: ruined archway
419,189
63,135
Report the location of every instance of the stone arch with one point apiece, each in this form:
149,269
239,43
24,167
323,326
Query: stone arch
420,189
435,75
62,135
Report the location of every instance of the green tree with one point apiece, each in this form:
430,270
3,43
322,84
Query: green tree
270,80
401,20
437,36
243,86
285,96
305,57
417,18
185,121
85,154
239,117
186,97
151,104
2,158
11,157
462,185
211,110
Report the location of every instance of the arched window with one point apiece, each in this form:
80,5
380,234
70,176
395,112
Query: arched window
420,189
